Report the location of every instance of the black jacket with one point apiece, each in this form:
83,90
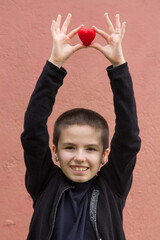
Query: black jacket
46,182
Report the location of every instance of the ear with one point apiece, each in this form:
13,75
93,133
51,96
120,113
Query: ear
55,153
105,156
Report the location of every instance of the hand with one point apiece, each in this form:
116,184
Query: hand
62,49
113,49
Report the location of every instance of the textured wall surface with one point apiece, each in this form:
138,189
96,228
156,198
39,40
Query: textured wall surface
25,45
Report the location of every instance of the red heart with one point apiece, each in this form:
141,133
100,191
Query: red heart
86,35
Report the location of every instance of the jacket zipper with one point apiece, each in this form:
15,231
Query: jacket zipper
56,210
93,211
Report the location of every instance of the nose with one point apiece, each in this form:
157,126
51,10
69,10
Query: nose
80,156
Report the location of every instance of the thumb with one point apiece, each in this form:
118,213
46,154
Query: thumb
96,46
78,47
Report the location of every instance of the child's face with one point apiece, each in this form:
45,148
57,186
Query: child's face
80,152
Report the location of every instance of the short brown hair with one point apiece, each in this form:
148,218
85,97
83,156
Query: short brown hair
81,116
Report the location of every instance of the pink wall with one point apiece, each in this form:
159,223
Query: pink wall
25,44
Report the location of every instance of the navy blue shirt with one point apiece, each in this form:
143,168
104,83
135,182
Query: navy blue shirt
72,219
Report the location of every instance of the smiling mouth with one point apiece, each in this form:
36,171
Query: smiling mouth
79,169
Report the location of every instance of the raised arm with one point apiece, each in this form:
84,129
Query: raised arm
35,138
126,142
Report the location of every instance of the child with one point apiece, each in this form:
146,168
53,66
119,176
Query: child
82,200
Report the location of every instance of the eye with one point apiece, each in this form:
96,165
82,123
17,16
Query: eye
69,147
91,149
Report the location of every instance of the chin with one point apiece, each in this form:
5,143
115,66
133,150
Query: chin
80,180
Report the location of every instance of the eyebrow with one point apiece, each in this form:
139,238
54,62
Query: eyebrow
68,143
87,145
92,145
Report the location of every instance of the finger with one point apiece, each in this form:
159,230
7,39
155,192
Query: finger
78,47
123,29
74,32
118,24
109,23
66,23
53,25
58,22
101,32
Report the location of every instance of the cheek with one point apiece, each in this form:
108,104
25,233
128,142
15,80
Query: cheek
65,157
95,161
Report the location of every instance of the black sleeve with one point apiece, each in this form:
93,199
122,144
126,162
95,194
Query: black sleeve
35,138
126,142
